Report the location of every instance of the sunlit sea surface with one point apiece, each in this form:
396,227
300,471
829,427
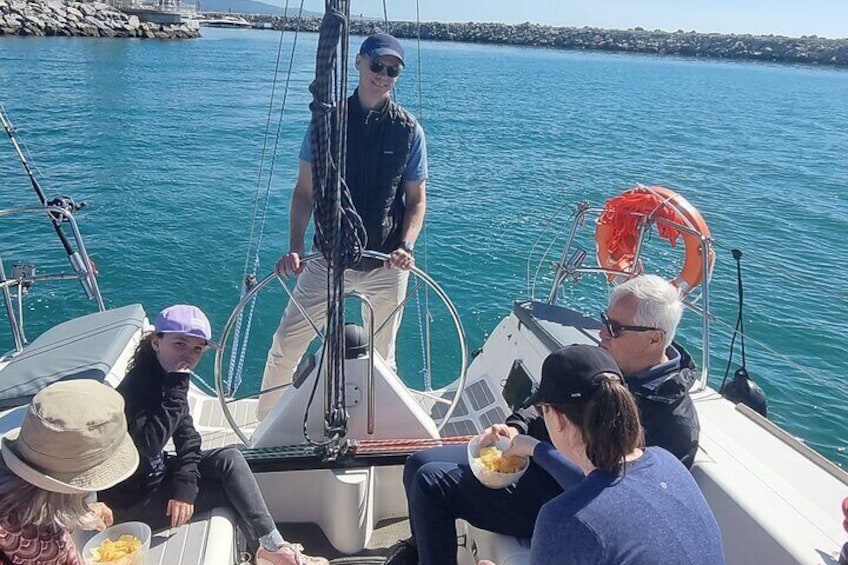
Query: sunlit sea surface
165,140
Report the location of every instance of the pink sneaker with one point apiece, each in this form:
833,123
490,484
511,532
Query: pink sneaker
289,554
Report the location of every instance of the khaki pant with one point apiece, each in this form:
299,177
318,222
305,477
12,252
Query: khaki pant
385,288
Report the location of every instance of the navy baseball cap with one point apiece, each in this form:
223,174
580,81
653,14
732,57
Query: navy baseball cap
572,374
381,44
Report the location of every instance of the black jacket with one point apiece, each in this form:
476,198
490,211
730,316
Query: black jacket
665,408
157,411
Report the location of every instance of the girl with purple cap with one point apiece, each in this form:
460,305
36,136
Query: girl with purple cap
168,489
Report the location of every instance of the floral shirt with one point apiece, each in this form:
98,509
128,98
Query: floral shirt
29,545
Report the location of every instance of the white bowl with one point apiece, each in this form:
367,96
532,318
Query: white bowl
137,529
486,476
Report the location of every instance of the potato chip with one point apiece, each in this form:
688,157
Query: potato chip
110,551
492,458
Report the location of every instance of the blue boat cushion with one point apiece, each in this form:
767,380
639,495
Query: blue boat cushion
83,348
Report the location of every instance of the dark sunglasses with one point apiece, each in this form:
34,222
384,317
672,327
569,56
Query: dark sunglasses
615,329
392,70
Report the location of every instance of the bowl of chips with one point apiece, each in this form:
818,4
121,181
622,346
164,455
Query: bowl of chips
122,544
490,466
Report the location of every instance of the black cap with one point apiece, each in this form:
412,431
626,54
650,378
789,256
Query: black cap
572,374
381,44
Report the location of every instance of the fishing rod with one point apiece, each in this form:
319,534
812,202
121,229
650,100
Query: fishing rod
77,263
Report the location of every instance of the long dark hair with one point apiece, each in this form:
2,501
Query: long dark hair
144,359
609,424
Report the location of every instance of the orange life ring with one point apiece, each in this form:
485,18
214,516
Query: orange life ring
617,232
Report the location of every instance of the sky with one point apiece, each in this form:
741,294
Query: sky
825,18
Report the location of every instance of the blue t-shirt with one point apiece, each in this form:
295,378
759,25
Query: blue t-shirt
654,513
416,164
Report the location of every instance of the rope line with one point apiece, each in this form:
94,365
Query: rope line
339,232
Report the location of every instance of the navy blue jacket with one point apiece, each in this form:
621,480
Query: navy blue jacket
665,408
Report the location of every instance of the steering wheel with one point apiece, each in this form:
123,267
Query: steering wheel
420,276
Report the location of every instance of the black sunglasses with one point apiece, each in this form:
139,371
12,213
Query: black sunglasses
392,70
615,329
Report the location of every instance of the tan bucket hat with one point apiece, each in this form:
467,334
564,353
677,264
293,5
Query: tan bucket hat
73,439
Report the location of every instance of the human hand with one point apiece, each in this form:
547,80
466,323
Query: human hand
176,366
179,511
521,446
104,515
289,264
400,259
491,434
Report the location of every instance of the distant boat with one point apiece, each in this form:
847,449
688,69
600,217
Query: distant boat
226,21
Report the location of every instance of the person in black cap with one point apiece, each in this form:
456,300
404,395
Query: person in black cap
636,505
637,330
386,172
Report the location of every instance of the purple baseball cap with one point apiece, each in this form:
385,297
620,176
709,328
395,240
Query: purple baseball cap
185,319
381,44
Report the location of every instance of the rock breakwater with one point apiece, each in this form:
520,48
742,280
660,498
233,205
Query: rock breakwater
85,19
768,48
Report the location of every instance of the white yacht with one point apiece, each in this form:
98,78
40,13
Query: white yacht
776,500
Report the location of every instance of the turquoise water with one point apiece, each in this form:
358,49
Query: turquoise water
164,140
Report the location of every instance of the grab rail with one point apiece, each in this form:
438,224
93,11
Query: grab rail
80,261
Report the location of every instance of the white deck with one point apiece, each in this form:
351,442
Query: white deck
209,539
212,425
776,501
781,506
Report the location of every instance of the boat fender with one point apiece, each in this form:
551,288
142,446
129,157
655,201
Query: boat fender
845,514
743,389
356,341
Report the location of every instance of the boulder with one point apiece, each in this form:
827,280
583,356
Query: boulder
87,9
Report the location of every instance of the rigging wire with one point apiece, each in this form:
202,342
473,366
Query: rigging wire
531,283
427,328
36,186
801,368
82,265
256,198
425,317
237,357
767,265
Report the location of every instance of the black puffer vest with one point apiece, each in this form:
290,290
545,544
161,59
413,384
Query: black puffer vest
378,147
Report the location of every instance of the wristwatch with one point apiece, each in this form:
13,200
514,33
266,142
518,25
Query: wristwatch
406,246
